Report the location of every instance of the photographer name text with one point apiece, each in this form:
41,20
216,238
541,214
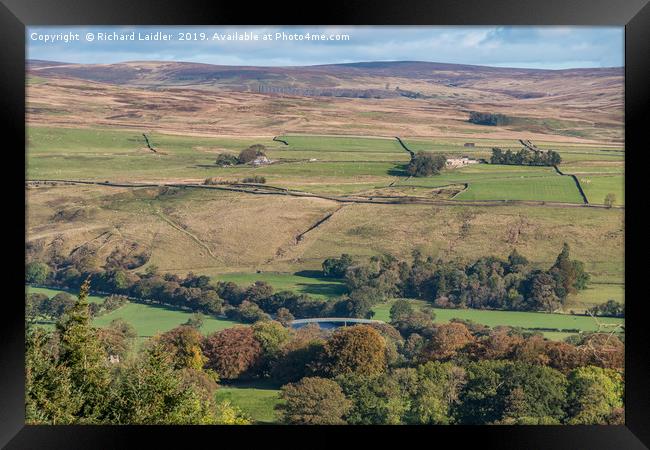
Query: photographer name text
183,36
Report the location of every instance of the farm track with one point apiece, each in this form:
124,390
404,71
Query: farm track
273,190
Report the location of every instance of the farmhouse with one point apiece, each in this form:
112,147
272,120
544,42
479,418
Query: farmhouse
469,144
261,160
452,163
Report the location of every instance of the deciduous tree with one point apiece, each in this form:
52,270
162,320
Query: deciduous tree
232,352
358,349
314,401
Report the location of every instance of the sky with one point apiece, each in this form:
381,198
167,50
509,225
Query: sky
540,47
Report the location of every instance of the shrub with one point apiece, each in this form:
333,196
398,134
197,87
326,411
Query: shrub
36,272
336,267
113,302
256,179
251,153
226,159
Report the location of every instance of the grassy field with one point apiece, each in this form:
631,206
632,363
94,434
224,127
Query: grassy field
120,155
319,164
595,294
597,187
553,188
223,221
245,237
52,292
355,145
500,182
307,282
510,318
254,399
148,320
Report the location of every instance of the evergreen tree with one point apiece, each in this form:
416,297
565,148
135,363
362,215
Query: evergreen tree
50,397
570,274
150,391
81,353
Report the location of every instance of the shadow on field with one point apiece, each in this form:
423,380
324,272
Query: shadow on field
329,289
398,171
250,384
317,274
326,286
164,307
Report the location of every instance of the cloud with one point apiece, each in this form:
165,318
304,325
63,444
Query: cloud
535,47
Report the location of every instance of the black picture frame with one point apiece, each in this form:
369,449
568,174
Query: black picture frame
633,14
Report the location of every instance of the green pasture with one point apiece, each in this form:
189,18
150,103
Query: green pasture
118,154
149,320
593,168
597,187
553,188
502,182
333,155
146,319
306,282
52,292
340,164
596,294
341,144
258,402
527,320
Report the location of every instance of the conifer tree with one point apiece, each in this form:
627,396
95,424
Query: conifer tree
82,355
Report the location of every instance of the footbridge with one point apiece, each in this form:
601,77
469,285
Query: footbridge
331,322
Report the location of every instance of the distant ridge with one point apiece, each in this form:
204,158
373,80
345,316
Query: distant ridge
432,65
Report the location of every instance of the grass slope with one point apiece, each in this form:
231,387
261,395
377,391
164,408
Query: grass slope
149,320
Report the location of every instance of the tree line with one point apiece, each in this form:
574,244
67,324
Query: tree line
487,283
481,118
39,306
525,157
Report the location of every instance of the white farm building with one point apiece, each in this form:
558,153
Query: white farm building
452,163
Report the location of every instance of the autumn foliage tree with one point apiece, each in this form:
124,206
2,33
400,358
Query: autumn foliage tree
232,352
446,341
359,349
184,346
